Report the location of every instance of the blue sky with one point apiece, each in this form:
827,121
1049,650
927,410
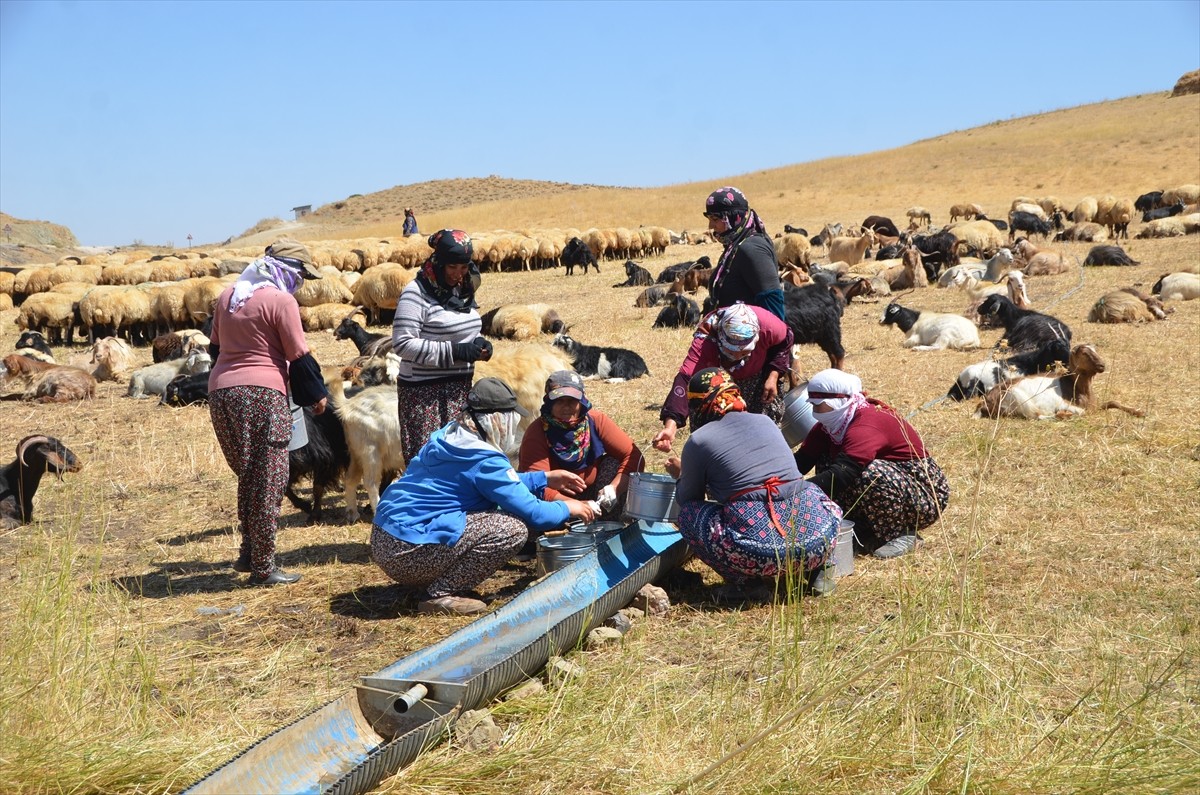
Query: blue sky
154,120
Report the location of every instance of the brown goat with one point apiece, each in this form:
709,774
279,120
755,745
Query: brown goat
1045,397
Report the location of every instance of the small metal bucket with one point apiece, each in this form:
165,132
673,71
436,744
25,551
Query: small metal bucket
798,417
598,531
651,497
843,551
555,552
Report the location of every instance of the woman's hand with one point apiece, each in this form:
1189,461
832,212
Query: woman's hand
581,510
770,387
319,406
564,481
674,466
665,437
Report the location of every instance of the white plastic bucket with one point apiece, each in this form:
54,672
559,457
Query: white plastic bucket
843,551
798,417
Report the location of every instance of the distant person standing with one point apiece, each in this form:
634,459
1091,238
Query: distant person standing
436,336
410,223
747,270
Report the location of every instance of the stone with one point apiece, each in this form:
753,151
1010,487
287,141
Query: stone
619,621
601,637
527,689
560,671
476,731
652,600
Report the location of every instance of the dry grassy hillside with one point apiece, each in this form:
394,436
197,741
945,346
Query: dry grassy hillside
1126,147
1044,639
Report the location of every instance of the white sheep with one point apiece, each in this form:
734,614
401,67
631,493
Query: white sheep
1177,287
793,249
1085,210
930,331
1184,194
153,379
983,236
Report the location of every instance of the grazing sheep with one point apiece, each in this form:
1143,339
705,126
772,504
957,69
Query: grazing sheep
977,379
1085,210
379,289
964,211
980,236
931,331
680,312
1127,305
814,314
51,314
1177,287
19,481
1047,398
1108,255
1024,329
637,276
1117,218
611,364
326,290
918,217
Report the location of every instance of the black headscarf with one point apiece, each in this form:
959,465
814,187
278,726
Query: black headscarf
450,247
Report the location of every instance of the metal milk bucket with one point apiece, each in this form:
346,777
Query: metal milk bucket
798,417
555,552
843,553
651,497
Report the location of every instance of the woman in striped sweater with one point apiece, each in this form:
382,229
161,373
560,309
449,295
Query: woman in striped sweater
436,336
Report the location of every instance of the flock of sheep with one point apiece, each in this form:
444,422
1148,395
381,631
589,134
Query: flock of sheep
122,301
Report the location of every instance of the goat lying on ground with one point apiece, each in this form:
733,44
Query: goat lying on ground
611,364
977,379
1047,398
1024,329
36,455
931,331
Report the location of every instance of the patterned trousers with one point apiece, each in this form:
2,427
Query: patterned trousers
424,408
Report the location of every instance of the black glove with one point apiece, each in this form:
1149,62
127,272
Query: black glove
477,349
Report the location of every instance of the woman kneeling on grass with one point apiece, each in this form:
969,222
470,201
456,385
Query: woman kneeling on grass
873,464
765,519
460,510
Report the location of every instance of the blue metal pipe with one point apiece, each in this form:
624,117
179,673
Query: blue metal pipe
352,743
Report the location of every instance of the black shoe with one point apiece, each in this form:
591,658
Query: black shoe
277,577
242,564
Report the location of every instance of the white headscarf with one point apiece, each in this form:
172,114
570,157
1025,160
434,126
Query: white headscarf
496,429
265,271
842,392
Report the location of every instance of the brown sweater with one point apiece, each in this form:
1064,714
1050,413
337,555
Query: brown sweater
535,451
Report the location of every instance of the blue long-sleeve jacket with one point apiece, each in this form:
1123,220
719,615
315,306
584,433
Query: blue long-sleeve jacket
454,474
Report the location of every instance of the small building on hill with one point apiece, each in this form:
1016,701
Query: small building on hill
302,210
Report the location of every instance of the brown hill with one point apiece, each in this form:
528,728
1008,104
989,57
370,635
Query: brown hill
1188,84
23,241
1124,147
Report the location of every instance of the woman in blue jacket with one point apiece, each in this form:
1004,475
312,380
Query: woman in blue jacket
460,511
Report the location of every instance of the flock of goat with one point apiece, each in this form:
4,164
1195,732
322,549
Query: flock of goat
358,443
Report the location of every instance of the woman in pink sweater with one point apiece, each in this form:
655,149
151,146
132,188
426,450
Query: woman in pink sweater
258,349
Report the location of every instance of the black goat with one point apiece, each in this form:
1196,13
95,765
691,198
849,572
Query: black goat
576,252
788,229
1028,222
1148,201
612,364
680,312
1162,212
881,225
324,459
892,251
35,341
976,379
1109,255
36,455
638,276
368,344
996,222
938,251
186,390
814,314
1024,329
672,272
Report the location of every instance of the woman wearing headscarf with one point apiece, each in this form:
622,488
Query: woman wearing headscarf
761,519
436,335
570,435
873,464
747,270
460,511
753,345
258,349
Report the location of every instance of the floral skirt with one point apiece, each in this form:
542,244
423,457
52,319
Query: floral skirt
895,498
739,540
424,408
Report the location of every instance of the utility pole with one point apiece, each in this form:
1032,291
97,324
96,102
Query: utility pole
189,239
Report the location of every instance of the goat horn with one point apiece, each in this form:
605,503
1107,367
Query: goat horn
27,443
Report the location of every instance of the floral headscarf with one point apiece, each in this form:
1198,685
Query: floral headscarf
450,247
576,445
841,391
712,394
266,271
734,329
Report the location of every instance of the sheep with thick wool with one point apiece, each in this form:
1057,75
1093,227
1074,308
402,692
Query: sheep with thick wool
1127,305
326,290
793,250
322,317
1184,194
1085,210
379,289
982,236
116,311
50,313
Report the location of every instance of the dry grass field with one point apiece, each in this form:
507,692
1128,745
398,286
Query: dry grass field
1045,639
